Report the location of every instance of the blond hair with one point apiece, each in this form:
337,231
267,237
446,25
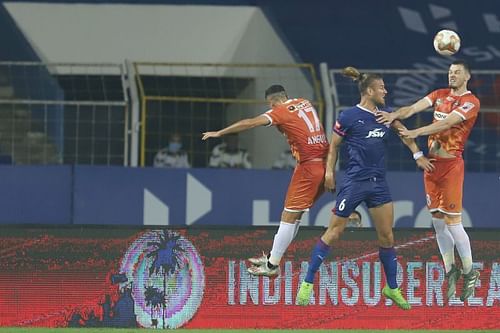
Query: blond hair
364,80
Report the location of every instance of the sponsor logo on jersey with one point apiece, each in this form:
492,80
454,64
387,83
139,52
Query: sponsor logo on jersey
440,115
291,108
467,107
303,105
376,133
320,138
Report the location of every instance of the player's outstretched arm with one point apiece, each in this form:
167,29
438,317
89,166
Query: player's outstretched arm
331,162
408,111
402,113
422,162
436,127
238,126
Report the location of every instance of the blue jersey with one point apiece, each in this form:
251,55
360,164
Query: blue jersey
366,140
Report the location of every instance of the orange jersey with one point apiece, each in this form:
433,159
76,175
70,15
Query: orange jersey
466,106
298,121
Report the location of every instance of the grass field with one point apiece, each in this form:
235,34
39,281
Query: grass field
125,330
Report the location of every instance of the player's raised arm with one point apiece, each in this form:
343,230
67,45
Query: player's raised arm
408,111
238,126
402,113
331,162
422,162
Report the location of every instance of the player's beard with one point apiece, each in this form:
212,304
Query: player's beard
380,103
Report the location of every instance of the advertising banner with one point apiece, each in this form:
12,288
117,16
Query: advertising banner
197,278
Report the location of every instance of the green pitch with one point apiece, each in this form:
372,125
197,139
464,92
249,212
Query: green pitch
102,330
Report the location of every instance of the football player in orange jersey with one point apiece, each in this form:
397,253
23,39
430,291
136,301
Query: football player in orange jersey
455,112
298,121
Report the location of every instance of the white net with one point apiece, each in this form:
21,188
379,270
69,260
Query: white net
62,113
189,99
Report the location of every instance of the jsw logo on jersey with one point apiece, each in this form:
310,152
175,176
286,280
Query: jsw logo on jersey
376,133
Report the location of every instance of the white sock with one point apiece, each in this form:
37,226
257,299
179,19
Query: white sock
448,260
445,242
463,246
297,226
282,239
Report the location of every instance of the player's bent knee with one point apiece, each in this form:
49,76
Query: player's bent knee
331,235
386,239
386,242
335,229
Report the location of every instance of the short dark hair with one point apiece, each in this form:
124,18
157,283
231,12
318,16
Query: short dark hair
274,89
463,63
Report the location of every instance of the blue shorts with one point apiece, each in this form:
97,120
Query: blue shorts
374,192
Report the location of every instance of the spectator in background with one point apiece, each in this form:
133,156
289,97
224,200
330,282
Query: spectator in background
229,155
285,161
172,156
354,220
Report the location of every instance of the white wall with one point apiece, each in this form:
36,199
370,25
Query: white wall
111,33
167,33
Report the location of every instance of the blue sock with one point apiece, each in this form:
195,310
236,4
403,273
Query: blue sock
388,258
319,253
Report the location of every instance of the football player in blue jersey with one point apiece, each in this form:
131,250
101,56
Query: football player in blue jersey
364,181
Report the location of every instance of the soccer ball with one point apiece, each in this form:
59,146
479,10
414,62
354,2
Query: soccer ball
446,42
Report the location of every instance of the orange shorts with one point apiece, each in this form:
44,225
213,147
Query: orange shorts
306,186
444,186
